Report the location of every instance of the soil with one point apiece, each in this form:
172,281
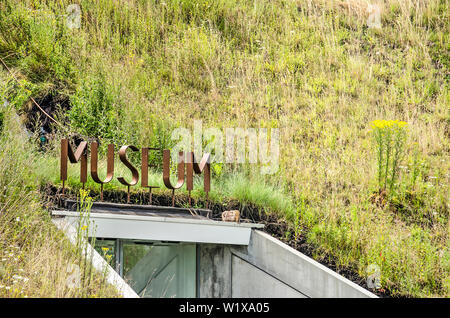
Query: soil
273,224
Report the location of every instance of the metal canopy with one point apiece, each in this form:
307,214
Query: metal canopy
162,228
137,209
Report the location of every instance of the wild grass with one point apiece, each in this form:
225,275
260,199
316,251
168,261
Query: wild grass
36,260
311,68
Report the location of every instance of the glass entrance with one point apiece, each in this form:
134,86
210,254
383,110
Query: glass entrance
153,269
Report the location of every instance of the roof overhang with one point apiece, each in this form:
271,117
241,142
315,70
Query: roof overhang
171,229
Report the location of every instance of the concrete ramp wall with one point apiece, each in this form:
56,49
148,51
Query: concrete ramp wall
97,260
268,268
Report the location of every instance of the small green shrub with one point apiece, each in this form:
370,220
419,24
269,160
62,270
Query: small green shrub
95,111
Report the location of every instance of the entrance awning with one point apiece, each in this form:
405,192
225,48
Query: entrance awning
163,228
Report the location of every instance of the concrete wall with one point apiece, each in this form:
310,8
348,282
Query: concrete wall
267,268
97,260
213,271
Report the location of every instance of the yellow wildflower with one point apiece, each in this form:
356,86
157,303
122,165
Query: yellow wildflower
381,124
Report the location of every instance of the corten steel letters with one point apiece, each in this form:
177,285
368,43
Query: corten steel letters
192,166
134,172
109,166
166,172
79,155
189,166
144,172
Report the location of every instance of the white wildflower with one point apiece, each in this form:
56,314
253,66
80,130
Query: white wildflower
18,277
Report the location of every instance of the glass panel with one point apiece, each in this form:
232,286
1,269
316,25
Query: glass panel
160,270
107,249
132,253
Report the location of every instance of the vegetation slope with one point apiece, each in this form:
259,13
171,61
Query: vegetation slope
135,70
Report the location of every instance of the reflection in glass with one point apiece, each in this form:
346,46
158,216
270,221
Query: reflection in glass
107,249
153,269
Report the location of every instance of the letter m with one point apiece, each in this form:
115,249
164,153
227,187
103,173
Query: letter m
198,168
79,155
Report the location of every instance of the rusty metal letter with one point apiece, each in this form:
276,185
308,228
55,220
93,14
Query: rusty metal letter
94,166
134,172
144,167
68,154
166,172
193,166
144,172
124,159
198,168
